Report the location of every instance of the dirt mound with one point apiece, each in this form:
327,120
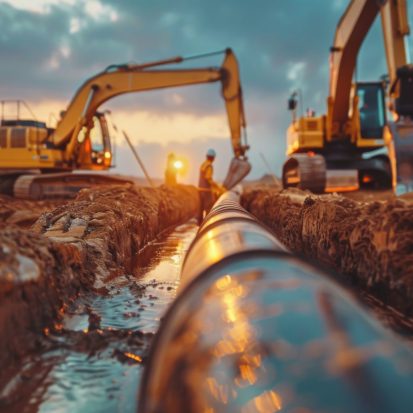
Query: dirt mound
22,212
77,246
370,242
111,225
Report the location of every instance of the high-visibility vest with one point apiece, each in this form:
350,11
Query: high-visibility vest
205,174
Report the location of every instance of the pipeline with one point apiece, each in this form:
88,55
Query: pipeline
256,329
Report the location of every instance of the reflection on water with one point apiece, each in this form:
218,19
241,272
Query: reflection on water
94,364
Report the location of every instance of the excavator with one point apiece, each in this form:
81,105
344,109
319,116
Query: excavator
354,146
37,162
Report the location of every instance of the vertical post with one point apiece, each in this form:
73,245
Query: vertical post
138,159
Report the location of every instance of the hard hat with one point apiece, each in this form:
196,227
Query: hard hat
211,152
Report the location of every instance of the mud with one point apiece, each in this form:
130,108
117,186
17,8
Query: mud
79,246
23,213
109,226
35,279
370,243
93,359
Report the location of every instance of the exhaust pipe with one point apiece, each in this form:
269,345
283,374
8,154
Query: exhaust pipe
255,329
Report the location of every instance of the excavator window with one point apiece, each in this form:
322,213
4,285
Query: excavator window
100,141
372,109
97,141
96,136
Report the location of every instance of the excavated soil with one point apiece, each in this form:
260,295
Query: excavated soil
368,240
22,212
77,247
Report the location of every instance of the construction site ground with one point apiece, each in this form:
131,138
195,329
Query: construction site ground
84,283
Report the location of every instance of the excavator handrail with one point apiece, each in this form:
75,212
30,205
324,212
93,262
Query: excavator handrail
134,78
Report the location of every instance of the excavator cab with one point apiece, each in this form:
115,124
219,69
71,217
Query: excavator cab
371,109
96,151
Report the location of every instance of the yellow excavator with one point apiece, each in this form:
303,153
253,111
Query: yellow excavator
355,146
37,162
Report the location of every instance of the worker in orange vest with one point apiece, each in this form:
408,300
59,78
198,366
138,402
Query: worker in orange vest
208,188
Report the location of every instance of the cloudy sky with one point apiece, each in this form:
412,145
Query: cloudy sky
49,47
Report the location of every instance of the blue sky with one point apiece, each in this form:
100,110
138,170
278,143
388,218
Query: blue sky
49,47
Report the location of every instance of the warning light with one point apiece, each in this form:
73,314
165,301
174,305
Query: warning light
108,155
178,165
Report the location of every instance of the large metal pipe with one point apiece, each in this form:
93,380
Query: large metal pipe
255,329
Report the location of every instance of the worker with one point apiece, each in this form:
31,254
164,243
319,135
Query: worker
171,170
209,190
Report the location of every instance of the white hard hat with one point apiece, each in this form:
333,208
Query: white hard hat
211,152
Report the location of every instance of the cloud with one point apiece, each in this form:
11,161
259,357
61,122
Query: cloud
49,47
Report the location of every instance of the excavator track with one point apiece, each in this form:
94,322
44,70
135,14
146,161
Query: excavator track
305,171
60,185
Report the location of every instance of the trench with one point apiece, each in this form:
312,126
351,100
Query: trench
92,361
94,358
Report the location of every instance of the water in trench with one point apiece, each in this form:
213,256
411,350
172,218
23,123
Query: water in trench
95,363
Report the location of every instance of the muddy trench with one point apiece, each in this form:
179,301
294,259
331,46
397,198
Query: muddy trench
92,360
69,277
84,284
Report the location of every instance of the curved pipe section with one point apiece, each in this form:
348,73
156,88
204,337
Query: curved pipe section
255,329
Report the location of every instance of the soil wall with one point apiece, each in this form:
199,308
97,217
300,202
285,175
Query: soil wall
370,243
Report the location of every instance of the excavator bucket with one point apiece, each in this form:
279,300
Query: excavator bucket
238,170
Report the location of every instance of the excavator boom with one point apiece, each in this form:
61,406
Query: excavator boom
81,139
123,79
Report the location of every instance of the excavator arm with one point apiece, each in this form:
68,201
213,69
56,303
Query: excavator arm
399,139
350,33
395,27
118,80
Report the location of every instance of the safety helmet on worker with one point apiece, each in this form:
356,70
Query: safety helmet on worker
211,153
